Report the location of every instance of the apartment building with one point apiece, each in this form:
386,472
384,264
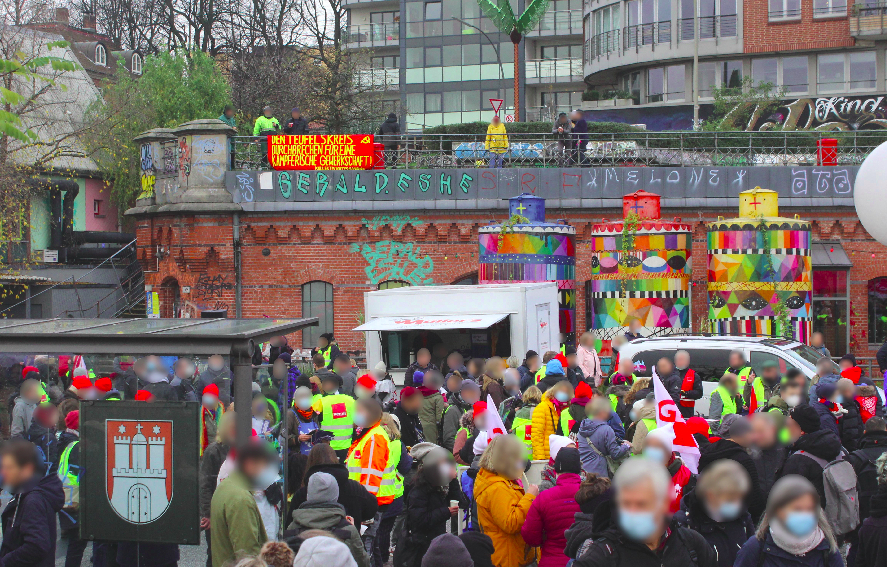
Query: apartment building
442,60
826,56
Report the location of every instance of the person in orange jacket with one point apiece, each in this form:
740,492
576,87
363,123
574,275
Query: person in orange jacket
368,455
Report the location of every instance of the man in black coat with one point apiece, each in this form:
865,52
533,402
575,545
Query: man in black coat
407,411
736,436
689,395
872,446
810,440
767,452
871,551
850,425
295,126
389,135
670,378
641,534
29,524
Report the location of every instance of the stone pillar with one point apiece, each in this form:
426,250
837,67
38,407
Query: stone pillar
203,160
151,163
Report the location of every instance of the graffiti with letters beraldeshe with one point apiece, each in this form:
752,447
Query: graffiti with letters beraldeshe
388,260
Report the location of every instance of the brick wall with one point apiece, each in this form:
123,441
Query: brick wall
760,35
280,253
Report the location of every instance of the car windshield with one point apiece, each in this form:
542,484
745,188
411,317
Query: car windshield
810,356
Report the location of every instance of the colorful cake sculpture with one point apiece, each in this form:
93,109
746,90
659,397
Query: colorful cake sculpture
525,248
640,269
759,271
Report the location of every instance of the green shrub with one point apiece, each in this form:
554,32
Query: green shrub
591,95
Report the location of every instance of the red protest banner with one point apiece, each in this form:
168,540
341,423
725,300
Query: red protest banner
346,151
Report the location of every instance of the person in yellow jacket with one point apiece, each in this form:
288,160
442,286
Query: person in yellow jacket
496,143
502,504
546,417
368,455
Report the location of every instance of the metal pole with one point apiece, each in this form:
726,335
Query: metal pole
238,286
241,362
284,424
27,301
495,47
516,83
695,64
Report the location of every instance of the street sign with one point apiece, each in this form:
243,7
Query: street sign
497,104
50,256
139,472
509,117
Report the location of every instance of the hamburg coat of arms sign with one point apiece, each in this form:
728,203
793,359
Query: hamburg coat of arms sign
139,473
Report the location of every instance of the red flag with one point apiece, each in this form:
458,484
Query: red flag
667,413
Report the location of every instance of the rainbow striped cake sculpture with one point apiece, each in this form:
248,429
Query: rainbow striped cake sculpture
527,249
640,269
759,270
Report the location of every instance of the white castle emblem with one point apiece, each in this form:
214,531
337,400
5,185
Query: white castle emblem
138,471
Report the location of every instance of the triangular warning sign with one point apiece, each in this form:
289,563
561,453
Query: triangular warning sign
497,104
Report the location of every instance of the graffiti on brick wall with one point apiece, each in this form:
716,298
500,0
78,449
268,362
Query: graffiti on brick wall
184,157
389,260
823,180
209,287
148,176
396,222
192,309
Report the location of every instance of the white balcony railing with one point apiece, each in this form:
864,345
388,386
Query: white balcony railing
546,69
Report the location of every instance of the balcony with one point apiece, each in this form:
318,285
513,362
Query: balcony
710,27
646,34
869,21
373,3
379,79
554,71
559,23
373,35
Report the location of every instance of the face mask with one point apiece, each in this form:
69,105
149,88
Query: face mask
839,399
655,454
445,473
639,526
792,401
800,524
215,366
360,420
562,396
304,404
730,510
267,477
633,415
210,401
260,409
150,367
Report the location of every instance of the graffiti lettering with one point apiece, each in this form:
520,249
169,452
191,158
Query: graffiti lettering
169,157
822,177
184,157
358,188
396,222
209,171
322,183
380,177
465,183
424,181
147,157
445,183
285,185
245,184
302,185
148,180
388,260
206,146
404,182
799,181
209,287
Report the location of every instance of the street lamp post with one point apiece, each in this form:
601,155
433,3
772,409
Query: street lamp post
695,64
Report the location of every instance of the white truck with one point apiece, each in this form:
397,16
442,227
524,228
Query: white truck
477,320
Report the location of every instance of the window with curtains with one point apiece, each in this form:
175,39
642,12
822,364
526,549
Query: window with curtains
317,301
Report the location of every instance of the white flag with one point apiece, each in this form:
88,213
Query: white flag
667,413
494,425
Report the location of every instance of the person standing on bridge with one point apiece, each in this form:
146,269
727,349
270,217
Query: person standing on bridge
496,143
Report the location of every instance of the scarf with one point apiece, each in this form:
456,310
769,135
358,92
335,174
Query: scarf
558,405
305,415
791,543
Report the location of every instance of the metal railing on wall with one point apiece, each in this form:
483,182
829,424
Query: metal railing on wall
680,148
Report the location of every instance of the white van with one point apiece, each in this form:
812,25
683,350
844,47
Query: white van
709,356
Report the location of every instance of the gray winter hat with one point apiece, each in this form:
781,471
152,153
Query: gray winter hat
429,452
323,488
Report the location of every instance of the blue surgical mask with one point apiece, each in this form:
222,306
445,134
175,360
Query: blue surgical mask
730,510
655,454
633,415
267,477
639,526
800,524
304,404
562,396
360,419
839,399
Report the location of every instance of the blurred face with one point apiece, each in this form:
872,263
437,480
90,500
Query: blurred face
254,467
729,384
423,357
14,475
571,360
267,112
329,386
736,360
185,368
643,498
816,340
278,371
626,367
794,430
534,363
303,401
453,384
655,450
770,374
725,504
664,367
139,368
31,394
496,120
229,113
474,367
682,360
791,393
562,391
216,362
454,360
260,405
847,391
297,114
340,366
360,392
799,515
845,364
228,431
763,432
634,326
470,396
412,404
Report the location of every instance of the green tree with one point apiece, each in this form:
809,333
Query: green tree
741,107
174,88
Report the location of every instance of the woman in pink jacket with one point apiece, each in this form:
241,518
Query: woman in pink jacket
588,360
553,511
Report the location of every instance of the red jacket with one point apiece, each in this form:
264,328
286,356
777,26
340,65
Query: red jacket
679,480
550,515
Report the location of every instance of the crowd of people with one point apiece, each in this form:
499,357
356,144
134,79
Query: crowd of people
791,471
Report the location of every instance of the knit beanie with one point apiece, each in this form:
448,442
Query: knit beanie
733,426
481,442
72,420
323,551
806,418
556,443
554,368
480,547
664,435
446,550
826,390
322,488
583,390
567,461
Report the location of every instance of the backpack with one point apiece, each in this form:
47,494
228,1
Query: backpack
841,493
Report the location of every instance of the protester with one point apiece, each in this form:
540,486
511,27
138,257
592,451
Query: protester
458,404
521,425
794,530
546,416
871,551
528,369
767,451
700,430
323,551
68,471
277,554
433,404
725,400
322,511
759,390
216,373
691,384
554,373
643,425
561,129
266,124
28,521
326,348
296,125
358,503
211,411
716,509
480,548
548,474
492,382
579,138
407,412
736,438
817,343
825,374
502,503
575,413
496,143
624,374
850,424
25,404
812,447
228,116
389,135
870,403
368,455
594,498
742,369
385,388
43,434
659,448
513,401
600,449
828,406
396,473
422,364
872,445
475,368
237,526
213,457
303,421
261,422
588,360
641,534
552,512
342,368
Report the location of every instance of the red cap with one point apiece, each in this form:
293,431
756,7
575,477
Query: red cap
104,384
143,396
72,420
211,389
698,424
367,382
479,408
27,369
407,392
81,382
563,359
583,390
